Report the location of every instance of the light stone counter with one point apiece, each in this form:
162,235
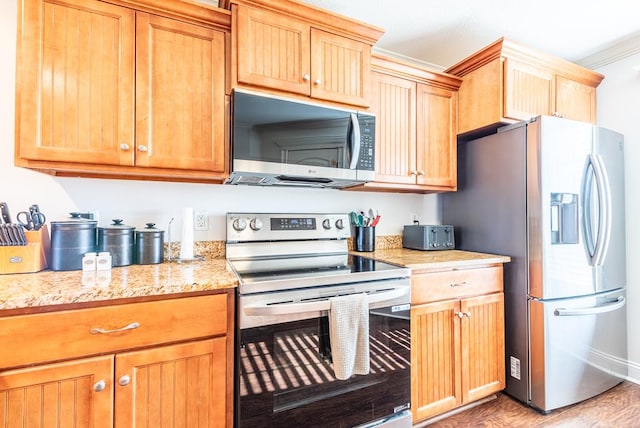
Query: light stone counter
434,260
44,289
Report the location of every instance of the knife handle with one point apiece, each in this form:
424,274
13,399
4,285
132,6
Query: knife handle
4,212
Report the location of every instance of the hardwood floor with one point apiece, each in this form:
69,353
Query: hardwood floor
617,408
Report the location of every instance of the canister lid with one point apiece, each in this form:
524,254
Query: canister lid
117,226
150,230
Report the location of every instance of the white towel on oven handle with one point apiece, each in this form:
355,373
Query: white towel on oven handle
349,334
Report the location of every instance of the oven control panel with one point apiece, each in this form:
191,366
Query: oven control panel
279,226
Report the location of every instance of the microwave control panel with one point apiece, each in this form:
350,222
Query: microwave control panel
367,142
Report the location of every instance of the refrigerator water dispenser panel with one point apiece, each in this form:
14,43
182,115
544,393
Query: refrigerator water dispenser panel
564,218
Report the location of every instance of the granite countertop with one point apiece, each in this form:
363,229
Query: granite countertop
47,288
50,290
444,259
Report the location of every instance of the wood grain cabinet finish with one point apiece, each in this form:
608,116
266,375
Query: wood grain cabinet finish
506,82
161,363
108,90
416,126
457,339
289,47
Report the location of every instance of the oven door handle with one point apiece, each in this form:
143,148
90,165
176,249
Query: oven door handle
318,305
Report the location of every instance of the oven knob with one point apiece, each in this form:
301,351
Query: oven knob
339,224
255,224
239,224
326,223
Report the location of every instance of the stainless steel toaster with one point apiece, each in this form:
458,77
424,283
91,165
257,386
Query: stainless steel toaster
428,237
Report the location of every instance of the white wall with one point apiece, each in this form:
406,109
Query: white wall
619,109
139,202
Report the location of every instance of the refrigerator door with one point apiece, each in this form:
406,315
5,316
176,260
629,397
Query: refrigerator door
569,210
578,348
608,233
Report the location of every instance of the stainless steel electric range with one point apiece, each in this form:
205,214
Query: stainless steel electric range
290,266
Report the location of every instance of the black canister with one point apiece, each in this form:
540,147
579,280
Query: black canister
70,240
149,245
117,239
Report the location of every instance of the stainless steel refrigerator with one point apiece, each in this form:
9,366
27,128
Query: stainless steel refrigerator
550,194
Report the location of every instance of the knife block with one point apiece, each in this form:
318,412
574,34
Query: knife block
27,258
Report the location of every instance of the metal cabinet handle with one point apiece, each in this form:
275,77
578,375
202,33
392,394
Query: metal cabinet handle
306,77
124,380
458,284
124,146
99,386
142,148
97,330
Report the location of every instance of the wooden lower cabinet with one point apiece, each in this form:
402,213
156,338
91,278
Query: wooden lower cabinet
457,349
58,395
185,384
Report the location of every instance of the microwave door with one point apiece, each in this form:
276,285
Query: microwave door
353,140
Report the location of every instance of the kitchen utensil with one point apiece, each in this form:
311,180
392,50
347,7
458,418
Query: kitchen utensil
70,240
365,238
33,219
149,245
4,212
375,221
117,239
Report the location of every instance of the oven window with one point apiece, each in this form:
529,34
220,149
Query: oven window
286,377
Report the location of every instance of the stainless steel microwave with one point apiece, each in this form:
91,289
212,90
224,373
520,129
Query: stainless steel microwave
282,142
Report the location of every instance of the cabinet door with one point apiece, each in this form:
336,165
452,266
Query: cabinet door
394,103
340,68
58,395
528,90
273,51
75,82
435,359
180,98
172,386
482,336
575,100
436,137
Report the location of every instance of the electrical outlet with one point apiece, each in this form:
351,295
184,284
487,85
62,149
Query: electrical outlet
201,221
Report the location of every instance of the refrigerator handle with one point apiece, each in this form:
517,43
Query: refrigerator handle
596,246
598,309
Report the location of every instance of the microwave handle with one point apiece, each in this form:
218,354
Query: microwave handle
354,141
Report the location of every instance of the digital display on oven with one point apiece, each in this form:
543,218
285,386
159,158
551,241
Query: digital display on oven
293,223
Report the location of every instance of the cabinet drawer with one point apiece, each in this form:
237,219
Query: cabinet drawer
433,286
54,336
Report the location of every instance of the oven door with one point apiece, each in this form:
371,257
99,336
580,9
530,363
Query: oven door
286,378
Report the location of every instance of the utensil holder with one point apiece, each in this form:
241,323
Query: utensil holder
29,258
365,238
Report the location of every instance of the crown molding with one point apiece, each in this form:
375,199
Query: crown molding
408,59
619,50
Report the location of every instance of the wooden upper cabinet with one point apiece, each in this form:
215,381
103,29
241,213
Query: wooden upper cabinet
506,82
290,47
416,122
180,95
436,130
340,68
75,82
394,103
273,50
106,90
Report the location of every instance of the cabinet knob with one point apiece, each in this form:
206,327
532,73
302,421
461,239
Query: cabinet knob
467,314
124,146
414,172
459,314
420,172
99,386
306,77
317,82
142,148
124,380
